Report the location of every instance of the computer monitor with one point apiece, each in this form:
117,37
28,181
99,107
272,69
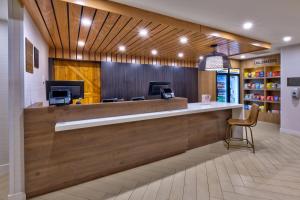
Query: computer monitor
75,87
156,86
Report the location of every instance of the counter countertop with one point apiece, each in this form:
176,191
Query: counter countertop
192,108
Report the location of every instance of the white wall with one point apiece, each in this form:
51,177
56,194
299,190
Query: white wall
3,85
290,109
16,101
34,86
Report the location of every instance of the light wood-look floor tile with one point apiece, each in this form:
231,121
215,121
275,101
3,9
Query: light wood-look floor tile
207,173
3,185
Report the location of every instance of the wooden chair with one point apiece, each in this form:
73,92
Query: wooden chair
250,122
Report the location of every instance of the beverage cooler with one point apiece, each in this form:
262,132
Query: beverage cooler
228,85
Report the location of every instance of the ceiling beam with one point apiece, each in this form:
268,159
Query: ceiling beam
163,19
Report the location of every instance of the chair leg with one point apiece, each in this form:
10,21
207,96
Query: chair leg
246,135
226,132
230,136
252,140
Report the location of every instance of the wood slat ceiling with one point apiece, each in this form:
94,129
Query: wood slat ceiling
60,23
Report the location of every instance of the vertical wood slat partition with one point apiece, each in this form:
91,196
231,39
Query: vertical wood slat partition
90,72
123,80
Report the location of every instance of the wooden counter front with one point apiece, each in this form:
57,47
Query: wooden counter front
91,111
57,160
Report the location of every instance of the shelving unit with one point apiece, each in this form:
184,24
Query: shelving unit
270,109
253,89
257,78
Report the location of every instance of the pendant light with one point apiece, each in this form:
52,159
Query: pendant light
215,61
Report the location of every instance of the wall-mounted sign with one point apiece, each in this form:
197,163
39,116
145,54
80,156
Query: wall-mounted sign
29,56
36,58
293,81
267,61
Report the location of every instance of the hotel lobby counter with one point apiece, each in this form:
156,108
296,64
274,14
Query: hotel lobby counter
68,145
191,109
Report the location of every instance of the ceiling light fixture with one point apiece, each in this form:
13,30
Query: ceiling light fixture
287,38
122,48
247,25
183,40
143,32
180,55
81,43
214,61
201,57
243,56
86,22
154,52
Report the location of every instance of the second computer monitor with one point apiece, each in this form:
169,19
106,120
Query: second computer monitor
156,86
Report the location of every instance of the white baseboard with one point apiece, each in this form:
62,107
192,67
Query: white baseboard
289,131
17,196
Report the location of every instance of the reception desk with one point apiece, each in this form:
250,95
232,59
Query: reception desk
68,145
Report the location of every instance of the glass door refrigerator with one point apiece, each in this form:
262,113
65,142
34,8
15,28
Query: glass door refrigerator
228,85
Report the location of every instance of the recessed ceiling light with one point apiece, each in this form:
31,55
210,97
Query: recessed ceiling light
143,32
215,34
247,25
154,52
201,58
122,48
81,43
81,2
183,40
256,44
243,56
86,22
287,38
180,55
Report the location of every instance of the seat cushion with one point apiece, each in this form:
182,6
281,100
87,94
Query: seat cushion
239,122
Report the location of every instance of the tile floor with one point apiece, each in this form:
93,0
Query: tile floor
207,173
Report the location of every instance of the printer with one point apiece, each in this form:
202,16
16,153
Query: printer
166,93
60,97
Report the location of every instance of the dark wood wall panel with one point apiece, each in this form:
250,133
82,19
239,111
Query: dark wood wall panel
125,80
